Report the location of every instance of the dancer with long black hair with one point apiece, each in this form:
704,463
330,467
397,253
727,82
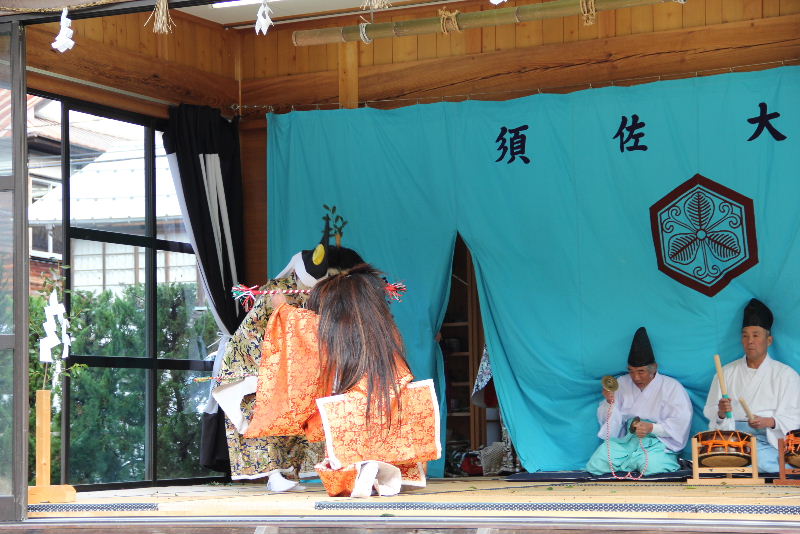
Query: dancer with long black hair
337,371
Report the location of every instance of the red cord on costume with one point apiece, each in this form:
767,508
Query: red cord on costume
246,296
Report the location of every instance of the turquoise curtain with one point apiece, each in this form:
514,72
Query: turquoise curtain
562,244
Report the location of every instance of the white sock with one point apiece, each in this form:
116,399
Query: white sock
276,482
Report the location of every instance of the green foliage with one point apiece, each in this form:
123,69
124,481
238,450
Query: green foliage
337,222
108,420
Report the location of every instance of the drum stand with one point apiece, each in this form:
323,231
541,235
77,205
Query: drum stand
729,471
783,481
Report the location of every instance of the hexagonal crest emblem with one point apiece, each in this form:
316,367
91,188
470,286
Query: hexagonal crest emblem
704,234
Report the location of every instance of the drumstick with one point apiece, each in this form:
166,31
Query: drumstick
721,377
750,415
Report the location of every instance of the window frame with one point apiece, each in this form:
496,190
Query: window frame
151,245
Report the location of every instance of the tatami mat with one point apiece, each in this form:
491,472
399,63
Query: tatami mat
447,497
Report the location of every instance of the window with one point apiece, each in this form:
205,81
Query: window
138,316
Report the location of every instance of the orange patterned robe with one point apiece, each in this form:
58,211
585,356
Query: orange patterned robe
290,400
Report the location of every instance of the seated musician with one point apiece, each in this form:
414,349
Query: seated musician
662,407
769,388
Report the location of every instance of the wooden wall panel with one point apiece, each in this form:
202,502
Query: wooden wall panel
606,24
552,31
732,10
472,41
382,50
249,59
426,48
202,50
752,9
333,56
529,33
94,62
694,14
458,43
674,52
443,44
571,25
286,54
194,42
317,58
504,38
253,142
771,8
623,21
300,58
667,16
109,32
633,20
713,11
789,7
642,19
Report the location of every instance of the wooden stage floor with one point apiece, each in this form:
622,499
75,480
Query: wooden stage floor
445,503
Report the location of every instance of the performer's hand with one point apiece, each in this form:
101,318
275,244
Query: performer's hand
643,428
758,422
277,299
724,407
609,395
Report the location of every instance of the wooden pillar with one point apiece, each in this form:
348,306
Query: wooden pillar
348,75
43,437
43,491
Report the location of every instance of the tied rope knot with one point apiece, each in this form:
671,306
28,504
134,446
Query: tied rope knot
448,21
162,20
375,4
718,440
589,12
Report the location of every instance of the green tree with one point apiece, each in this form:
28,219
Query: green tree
107,424
180,399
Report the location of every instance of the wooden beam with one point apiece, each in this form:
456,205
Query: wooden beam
348,75
312,88
95,62
668,53
107,98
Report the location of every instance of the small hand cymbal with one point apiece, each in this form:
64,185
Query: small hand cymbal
609,383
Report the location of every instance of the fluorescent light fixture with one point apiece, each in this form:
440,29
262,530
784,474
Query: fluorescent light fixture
235,3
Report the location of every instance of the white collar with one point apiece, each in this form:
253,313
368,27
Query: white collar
297,266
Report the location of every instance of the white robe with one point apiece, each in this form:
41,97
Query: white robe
663,401
773,390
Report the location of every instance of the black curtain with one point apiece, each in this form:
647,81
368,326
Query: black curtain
203,148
